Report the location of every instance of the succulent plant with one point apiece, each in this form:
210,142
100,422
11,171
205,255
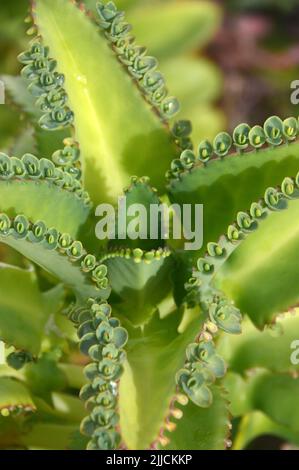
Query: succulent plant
157,354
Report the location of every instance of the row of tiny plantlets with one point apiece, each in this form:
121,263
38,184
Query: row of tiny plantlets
16,411
137,255
47,86
203,365
102,339
30,167
21,228
273,133
202,368
220,310
141,67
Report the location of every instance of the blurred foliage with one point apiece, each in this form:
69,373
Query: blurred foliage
188,27
12,41
257,49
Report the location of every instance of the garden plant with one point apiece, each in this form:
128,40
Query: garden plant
183,349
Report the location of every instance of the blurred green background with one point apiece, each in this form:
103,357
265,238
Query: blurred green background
227,61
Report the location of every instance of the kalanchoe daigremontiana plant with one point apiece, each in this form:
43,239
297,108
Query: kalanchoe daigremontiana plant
155,374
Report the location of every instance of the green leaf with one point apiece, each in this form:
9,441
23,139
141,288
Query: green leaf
23,192
48,142
266,392
169,28
139,193
227,185
11,126
261,245
102,112
139,283
270,349
23,312
47,436
12,16
14,395
202,428
256,424
45,143
154,354
58,254
261,275
195,81
44,376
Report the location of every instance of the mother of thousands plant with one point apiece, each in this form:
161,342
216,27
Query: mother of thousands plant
157,352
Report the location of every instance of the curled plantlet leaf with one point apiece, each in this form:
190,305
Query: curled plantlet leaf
104,440
222,144
204,266
257,211
204,353
257,137
233,234
245,222
75,251
274,200
99,274
32,167
57,119
51,239
273,128
20,227
55,99
214,249
18,167
36,52
205,151
193,384
241,136
290,128
288,188
37,232
109,370
47,169
6,170
64,241
66,157
188,159
226,316
5,224
88,263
